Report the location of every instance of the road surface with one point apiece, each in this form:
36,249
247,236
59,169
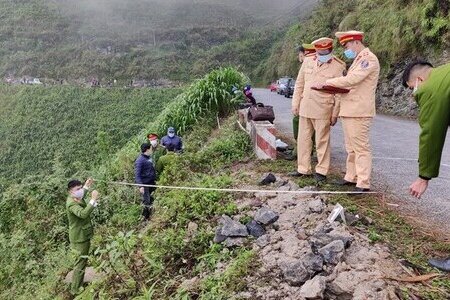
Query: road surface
395,150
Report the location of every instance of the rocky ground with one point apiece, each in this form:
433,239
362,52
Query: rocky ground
301,255
393,98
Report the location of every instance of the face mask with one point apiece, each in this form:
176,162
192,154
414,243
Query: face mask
78,194
154,143
350,54
171,134
325,58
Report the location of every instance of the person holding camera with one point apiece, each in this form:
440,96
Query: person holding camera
79,209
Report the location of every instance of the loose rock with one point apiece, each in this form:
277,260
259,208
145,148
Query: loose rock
313,262
294,272
316,205
254,229
218,237
266,216
232,228
267,179
333,252
234,242
263,241
192,228
314,288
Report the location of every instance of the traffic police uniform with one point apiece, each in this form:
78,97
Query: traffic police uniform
316,109
357,109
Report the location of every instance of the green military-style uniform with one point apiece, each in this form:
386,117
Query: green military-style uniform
80,234
433,98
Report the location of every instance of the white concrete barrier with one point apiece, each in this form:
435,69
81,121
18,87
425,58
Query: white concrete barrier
262,134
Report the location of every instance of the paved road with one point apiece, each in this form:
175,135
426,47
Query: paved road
395,149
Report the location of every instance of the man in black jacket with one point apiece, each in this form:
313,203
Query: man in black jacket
145,174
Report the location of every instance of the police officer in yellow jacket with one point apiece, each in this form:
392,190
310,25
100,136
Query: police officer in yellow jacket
317,110
80,227
357,108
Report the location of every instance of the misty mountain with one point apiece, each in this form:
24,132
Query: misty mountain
128,39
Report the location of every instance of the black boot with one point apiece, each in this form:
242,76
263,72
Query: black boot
343,182
320,177
297,174
442,264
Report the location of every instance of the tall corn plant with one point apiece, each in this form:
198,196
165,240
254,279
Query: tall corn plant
207,97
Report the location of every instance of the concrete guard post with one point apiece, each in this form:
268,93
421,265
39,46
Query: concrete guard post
263,139
262,134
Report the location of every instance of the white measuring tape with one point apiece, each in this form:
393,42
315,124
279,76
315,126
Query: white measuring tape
234,190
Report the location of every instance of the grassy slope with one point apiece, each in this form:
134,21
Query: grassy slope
68,127
395,30
33,238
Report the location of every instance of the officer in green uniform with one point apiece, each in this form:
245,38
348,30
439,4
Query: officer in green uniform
305,52
80,227
431,89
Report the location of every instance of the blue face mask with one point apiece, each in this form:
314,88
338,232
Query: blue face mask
325,58
350,54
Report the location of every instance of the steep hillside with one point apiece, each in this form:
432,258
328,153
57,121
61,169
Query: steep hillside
33,225
43,128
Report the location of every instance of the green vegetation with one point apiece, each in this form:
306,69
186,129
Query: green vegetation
395,30
70,128
135,39
154,261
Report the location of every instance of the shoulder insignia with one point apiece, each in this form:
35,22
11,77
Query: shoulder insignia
364,64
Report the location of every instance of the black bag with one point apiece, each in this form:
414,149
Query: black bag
259,112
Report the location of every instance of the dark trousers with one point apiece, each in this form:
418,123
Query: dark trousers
147,202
